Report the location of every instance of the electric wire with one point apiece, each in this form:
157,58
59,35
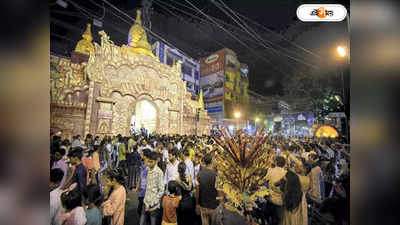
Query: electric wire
261,26
288,65
244,44
147,29
255,35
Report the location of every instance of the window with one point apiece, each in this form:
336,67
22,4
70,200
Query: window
170,60
189,85
186,69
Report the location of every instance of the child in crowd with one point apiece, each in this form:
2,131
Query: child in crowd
56,176
74,213
94,200
170,203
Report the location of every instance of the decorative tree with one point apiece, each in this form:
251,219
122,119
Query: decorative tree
242,166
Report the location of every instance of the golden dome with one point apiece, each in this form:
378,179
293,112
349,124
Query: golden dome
85,46
137,39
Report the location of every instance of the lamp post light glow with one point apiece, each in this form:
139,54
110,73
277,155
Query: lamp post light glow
237,115
341,51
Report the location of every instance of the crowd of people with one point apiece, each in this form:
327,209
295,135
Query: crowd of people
174,178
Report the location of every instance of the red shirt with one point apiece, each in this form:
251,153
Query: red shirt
170,204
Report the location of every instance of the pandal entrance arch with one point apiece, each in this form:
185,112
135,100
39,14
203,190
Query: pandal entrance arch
145,115
113,82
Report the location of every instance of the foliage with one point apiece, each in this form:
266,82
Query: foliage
314,88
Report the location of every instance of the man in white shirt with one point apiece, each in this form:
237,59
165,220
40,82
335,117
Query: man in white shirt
178,145
56,176
171,173
76,142
189,165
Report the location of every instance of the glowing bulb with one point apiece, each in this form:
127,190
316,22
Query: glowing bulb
341,51
237,114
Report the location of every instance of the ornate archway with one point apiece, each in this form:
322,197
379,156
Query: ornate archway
145,114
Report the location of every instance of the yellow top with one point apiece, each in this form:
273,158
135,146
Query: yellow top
85,46
138,38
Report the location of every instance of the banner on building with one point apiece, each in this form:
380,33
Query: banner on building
212,64
212,85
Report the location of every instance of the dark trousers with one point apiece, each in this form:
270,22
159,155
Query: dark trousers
275,213
153,216
186,211
140,206
133,173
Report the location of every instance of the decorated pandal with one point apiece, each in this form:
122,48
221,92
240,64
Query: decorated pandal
103,86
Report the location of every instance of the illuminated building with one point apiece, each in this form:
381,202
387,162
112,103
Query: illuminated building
116,88
224,81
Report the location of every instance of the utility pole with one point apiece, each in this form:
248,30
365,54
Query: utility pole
147,11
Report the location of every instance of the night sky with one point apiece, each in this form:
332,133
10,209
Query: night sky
190,32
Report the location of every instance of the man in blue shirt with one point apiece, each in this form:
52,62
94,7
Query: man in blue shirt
80,174
142,180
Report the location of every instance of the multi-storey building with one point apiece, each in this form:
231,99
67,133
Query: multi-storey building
190,67
224,81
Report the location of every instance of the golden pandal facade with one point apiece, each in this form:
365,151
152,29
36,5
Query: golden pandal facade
99,96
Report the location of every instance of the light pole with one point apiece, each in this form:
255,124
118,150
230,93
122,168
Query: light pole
343,53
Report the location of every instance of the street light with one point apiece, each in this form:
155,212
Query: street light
237,116
341,51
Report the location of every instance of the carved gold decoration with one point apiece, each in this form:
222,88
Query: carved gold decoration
122,112
125,78
105,99
66,78
85,46
89,108
103,126
137,39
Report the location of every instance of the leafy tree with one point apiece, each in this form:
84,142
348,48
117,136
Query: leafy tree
316,90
